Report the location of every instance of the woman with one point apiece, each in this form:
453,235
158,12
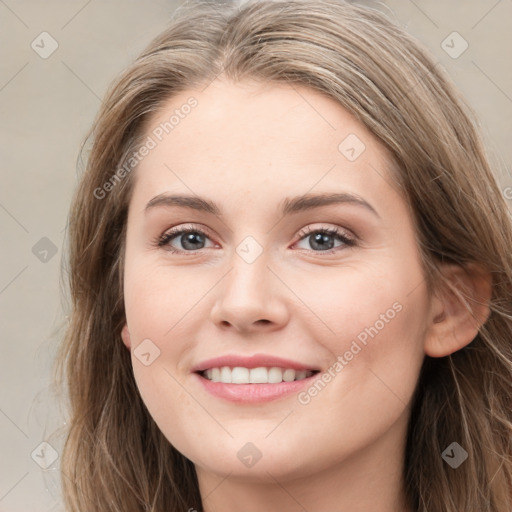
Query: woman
291,274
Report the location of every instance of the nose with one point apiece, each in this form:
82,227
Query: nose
250,298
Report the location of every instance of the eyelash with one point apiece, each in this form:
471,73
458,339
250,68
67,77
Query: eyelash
165,238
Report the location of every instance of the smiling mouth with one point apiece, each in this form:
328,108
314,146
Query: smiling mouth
260,375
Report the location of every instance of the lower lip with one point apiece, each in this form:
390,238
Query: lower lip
251,393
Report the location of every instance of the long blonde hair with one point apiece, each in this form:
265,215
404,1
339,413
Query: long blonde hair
115,458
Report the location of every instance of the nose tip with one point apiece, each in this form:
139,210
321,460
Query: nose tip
248,299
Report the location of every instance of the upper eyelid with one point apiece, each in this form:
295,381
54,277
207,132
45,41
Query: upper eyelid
341,231
198,227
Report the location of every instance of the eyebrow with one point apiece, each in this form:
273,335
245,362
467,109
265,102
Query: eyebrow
288,205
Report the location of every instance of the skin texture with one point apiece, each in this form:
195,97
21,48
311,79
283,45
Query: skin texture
247,147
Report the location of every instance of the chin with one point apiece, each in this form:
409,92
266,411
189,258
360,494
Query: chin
258,461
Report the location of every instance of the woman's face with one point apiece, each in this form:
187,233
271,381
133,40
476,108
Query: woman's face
301,263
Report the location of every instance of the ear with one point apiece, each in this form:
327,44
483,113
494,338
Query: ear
458,309
125,335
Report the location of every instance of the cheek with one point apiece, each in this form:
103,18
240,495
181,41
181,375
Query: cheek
153,312
177,414
158,301
379,323
379,307
366,391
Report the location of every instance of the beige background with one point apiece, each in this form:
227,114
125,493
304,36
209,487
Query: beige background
46,107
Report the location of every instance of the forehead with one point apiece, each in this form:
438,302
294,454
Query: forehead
251,138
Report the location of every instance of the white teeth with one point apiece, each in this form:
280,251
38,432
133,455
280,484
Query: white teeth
239,375
289,375
260,375
225,374
275,375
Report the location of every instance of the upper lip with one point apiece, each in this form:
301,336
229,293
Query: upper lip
254,361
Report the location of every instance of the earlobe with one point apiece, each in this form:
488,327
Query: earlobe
125,335
459,310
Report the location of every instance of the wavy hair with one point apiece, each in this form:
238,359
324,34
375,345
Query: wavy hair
115,458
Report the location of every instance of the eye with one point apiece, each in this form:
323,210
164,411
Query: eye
323,239
190,239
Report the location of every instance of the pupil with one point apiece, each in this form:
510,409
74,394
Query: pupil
191,238
322,239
